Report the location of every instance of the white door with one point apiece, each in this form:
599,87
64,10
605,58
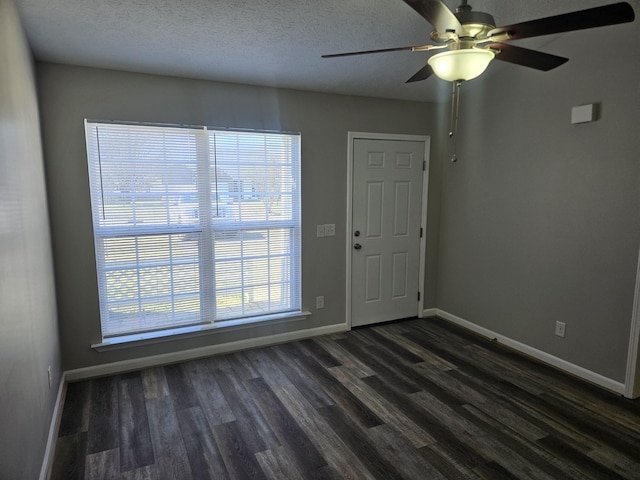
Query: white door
386,212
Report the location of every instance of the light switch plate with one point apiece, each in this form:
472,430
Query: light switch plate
329,229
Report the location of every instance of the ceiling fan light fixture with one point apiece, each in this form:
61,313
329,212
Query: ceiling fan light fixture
461,65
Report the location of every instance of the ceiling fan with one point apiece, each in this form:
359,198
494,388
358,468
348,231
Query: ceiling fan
470,39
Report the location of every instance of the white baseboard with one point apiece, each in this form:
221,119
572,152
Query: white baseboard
184,355
429,312
544,357
49,451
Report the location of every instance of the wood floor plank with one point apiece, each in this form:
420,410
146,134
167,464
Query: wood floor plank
389,413
480,441
182,392
396,449
321,354
538,412
262,361
305,383
579,460
104,465
618,436
168,446
277,464
75,411
249,421
70,455
103,433
340,395
344,461
476,395
357,441
388,343
442,459
610,408
343,356
154,382
242,366
435,427
527,448
616,461
210,396
379,361
176,467
136,449
238,458
144,473
494,471
203,451
286,428
397,333
410,399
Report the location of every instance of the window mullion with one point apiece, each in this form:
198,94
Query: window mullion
207,244
140,307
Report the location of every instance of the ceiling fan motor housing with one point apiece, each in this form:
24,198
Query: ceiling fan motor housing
476,24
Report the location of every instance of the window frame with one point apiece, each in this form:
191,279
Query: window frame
206,240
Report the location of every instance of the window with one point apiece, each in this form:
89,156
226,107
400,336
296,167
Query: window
193,226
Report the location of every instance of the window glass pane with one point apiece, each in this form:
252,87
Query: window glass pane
145,176
150,282
255,261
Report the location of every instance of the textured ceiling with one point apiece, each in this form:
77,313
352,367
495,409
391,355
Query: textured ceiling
260,42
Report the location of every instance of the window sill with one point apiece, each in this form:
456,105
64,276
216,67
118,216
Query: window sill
148,338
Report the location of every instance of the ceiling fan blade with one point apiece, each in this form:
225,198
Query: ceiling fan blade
422,74
366,52
413,48
438,15
528,58
590,18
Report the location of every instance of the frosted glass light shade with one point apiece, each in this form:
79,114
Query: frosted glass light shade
464,64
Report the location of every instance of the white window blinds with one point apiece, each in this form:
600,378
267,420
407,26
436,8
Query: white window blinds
192,225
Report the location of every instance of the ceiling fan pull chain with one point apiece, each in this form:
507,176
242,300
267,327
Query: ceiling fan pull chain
455,106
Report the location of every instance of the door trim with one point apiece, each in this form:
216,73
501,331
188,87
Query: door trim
632,380
352,137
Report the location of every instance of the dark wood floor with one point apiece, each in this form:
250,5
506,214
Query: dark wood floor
415,399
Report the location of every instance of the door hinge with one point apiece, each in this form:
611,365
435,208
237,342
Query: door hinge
424,165
418,296
421,231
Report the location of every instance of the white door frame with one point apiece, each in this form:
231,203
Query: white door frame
632,382
352,136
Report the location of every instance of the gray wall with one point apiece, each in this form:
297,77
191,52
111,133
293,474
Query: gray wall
28,329
70,94
540,217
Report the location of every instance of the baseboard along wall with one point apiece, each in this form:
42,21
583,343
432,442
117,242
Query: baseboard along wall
45,471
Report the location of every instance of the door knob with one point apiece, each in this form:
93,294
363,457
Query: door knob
357,246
